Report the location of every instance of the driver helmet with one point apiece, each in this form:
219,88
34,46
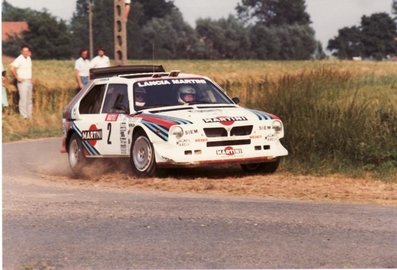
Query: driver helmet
140,94
186,94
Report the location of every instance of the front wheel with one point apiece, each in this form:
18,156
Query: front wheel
77,160
265,167
142,156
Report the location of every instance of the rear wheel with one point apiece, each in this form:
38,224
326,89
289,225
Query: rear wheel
77,160
264,167
142,156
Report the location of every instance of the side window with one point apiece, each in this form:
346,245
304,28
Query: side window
116,99
91,103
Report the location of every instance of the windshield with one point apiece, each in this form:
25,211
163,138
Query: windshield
173,92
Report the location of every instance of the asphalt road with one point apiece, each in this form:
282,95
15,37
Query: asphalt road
50,225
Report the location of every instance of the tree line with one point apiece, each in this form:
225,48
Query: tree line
261,29
375,37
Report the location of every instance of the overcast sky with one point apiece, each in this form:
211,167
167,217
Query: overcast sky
327,15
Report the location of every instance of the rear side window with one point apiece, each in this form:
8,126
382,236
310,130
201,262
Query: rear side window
116,100
91,103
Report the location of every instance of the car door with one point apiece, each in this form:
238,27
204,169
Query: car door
102,124
114,119
88,125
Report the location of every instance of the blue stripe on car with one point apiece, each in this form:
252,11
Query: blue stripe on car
261,115
157,129
178,120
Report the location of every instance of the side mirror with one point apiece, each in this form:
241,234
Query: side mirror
236,100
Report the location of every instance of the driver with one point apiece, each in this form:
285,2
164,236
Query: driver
186,94
140,97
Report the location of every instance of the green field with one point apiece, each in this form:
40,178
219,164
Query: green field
340,116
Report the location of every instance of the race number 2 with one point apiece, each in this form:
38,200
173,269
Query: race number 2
110,132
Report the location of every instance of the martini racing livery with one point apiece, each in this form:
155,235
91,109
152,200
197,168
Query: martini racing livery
160,120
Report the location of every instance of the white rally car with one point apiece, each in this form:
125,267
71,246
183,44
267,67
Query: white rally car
159,120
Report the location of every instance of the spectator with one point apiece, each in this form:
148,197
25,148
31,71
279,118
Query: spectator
82,67
4,100
101,60
127,9
21,69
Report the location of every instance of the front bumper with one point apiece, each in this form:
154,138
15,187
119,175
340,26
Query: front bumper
198,155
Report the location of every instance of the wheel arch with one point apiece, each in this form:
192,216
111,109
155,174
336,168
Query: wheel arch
138,129
152,137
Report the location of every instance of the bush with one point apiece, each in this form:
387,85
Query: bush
336,119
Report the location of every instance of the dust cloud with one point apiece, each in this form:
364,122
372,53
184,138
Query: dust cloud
234,182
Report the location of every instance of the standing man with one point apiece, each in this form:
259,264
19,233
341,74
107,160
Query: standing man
127,9
21,69
82,67
4,100
101,60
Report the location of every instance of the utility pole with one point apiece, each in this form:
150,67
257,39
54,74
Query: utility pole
91,49
120,33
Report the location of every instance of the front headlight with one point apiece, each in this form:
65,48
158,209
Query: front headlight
177,132
277,126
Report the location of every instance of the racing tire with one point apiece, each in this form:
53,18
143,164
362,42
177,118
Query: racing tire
264,167
142,156
77,160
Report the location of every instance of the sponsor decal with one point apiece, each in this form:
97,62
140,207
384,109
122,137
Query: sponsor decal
89,150
153,83
255,136
201,140
92,135
169,82
191,132
183,142
189,81
112,117
271,138
229,151
225,120
265,127
123,138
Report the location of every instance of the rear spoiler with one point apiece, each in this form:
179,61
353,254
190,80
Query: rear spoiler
96,73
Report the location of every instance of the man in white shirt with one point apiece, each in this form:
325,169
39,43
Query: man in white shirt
21,69
101,60
82,67
4,100
127,9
